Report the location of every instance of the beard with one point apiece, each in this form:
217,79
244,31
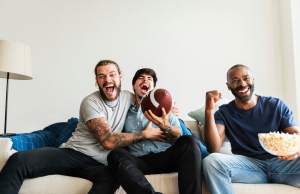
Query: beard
103,95
243,98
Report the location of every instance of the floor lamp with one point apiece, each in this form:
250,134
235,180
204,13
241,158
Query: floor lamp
15,63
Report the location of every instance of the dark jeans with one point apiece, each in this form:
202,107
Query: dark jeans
183,157
49,160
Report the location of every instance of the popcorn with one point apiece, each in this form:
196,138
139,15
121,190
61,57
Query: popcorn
280,144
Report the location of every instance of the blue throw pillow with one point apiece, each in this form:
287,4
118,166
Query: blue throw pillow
53,136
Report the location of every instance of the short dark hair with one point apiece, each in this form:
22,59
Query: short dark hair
146,71
106,62
236,66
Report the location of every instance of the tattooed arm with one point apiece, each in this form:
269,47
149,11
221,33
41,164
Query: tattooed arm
109,140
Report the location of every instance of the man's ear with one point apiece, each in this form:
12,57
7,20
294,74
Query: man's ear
96,82
227,84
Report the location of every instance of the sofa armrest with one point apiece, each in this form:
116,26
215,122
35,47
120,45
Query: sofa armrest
5,150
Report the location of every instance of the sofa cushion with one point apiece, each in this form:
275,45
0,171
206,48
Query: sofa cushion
52,136
56,184
165,183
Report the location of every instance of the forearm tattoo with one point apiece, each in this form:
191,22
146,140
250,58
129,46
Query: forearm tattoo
100,128
104,134
125,139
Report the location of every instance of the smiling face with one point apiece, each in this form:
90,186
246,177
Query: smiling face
241,83
109,81
143,84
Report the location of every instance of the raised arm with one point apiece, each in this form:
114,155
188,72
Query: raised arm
109,140
214,134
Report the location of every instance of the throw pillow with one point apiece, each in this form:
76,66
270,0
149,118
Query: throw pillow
199,114
52,136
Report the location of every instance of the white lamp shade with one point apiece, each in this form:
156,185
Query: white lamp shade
15,59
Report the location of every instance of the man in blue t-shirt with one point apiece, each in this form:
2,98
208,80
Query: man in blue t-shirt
168,150
240,121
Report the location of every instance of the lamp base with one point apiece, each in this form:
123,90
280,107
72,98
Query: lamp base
7,135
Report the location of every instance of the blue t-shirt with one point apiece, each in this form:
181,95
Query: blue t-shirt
242,126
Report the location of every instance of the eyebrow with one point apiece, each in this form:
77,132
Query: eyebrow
145,75
113,71
244,76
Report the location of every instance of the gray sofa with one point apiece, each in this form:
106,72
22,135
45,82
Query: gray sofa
165,183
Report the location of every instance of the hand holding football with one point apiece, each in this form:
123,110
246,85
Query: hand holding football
155,100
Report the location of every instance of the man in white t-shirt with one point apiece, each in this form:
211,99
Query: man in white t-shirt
102,117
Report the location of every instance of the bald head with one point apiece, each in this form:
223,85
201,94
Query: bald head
236,67
240,82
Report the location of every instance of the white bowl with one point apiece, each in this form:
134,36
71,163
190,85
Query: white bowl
280,144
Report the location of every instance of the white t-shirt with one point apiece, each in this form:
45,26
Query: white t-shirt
93,106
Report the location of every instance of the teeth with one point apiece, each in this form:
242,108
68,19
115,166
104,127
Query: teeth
244,90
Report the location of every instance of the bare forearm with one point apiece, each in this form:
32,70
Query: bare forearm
116,140
212,135
109,140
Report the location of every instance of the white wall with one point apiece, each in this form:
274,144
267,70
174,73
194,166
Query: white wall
190,44
295,12
290,30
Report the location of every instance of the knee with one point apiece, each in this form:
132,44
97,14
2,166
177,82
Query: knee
186,140
115,157
16,163
17,159
120,160
188,143
212,163
116,154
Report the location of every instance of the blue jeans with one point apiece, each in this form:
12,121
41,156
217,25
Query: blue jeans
220,170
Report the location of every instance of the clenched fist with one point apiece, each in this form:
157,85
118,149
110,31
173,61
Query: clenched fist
212,97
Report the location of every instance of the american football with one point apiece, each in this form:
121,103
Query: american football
155,100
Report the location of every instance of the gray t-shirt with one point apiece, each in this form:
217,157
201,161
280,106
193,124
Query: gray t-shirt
93,106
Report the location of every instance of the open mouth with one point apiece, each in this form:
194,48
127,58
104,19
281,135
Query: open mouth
243,90
109,89
144,88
